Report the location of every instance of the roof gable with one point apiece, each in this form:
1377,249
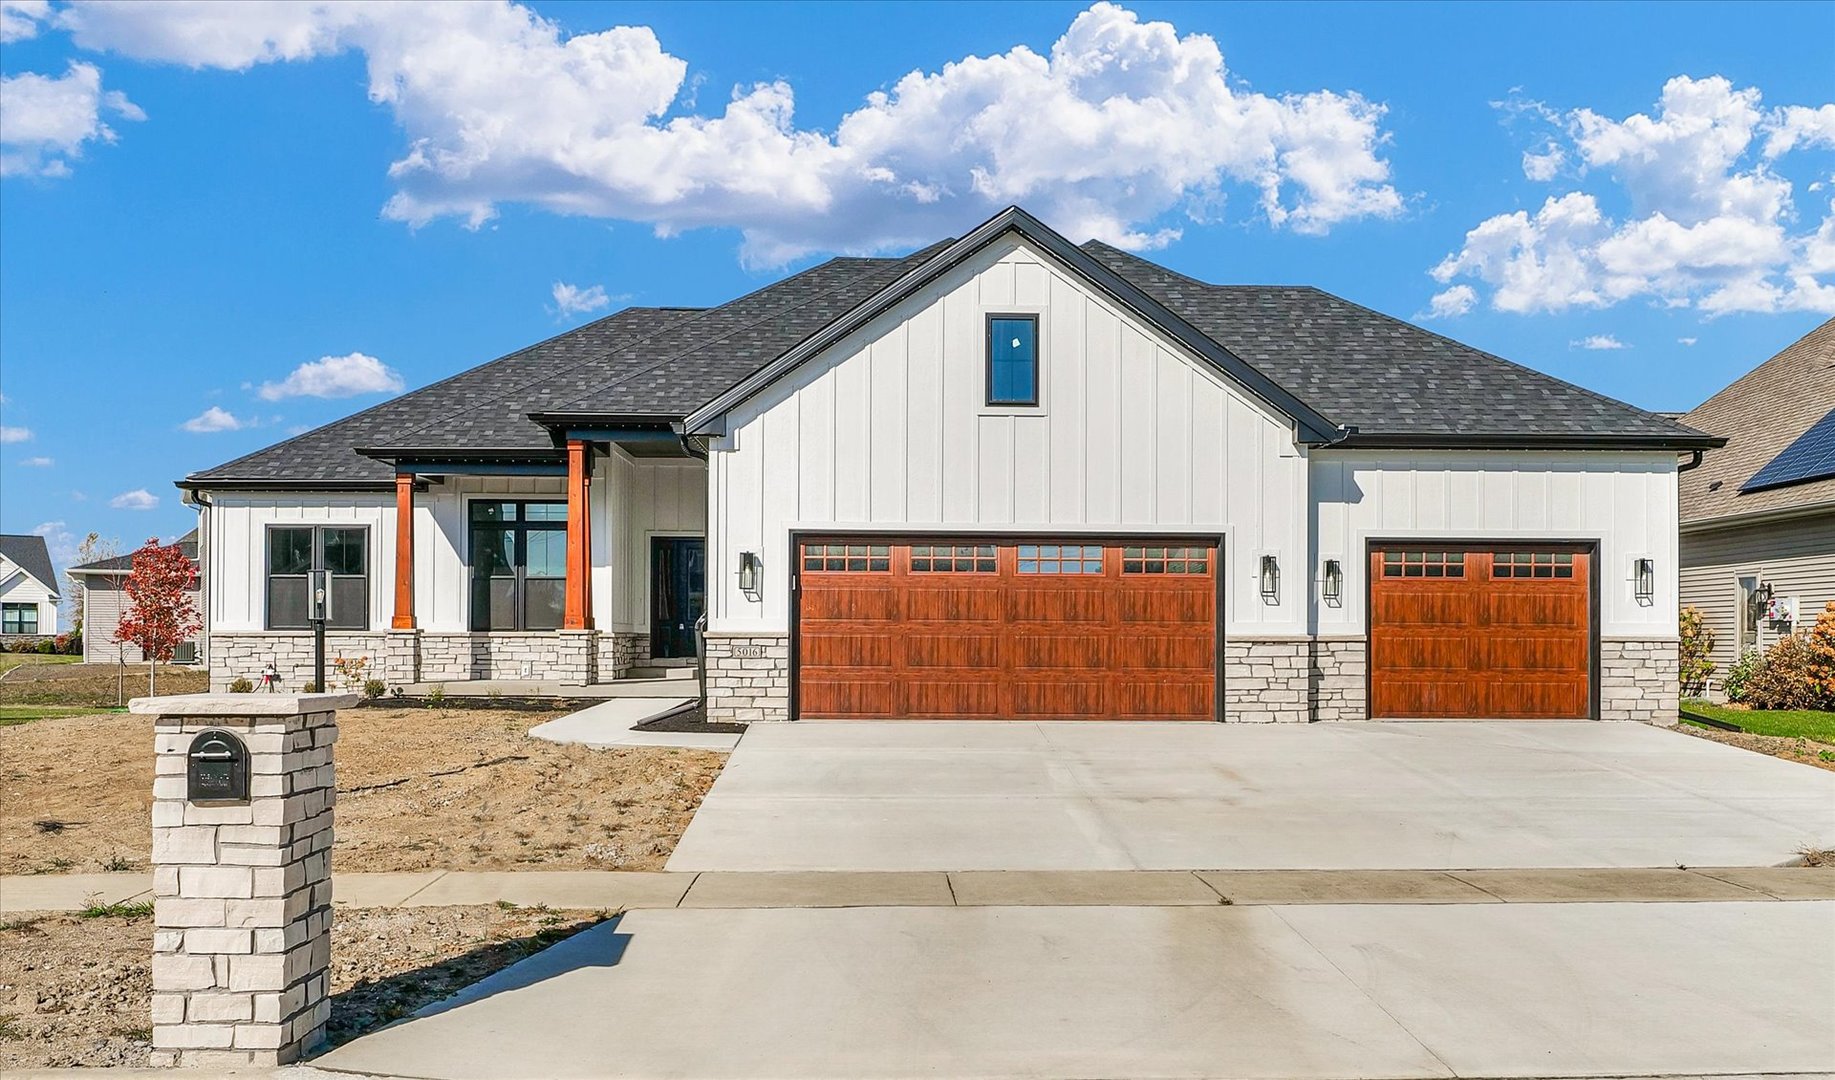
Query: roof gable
29,553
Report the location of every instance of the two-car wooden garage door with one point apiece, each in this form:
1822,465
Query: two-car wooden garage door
977,628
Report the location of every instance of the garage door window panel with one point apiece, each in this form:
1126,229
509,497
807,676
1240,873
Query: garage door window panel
847,558
1060,559
1165,560
1532,564
953,558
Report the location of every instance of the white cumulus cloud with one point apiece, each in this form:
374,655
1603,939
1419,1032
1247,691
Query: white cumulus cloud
1598,341
46,121
1686,340
19,19
37,462
214,419
138,499
335,377
15,434
574,300
1451,303
1120,124
1708,220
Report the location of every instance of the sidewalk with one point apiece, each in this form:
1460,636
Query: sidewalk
613,890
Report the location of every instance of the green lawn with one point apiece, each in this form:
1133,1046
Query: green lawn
25,714
1790,723
11,660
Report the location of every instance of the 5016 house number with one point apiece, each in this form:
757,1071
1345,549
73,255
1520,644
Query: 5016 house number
749,652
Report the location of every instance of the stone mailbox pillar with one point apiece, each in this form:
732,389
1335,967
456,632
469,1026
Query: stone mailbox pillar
241,875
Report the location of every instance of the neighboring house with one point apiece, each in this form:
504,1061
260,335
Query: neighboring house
1758,516
105,599
28,589
1004,476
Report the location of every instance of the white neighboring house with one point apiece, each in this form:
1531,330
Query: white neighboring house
1005,476
105,599
28,588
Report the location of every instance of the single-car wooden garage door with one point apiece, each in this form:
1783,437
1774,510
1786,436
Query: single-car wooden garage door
1481,632
976,628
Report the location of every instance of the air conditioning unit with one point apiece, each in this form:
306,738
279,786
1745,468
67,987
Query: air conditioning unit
185,653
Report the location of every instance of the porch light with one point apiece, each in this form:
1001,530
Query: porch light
748,574
1644,576
1271,580
1334,581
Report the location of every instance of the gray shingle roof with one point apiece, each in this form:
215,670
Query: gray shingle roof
1386,377
188,544
30,554
1355,366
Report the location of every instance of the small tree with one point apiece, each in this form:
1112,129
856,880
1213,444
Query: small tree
93,549
1697,652
160,615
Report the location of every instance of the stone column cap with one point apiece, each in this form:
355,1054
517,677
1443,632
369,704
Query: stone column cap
240,704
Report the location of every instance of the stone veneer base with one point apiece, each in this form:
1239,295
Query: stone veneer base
1640,679
399,657
748,677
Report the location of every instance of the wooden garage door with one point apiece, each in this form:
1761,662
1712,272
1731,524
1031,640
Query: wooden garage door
1492,632
981,629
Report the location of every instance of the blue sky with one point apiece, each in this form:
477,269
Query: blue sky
283,214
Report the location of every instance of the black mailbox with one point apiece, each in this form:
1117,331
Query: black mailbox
216,768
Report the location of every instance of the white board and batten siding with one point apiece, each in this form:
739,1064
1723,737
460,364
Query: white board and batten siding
890,430
19,587
1625,501
640,499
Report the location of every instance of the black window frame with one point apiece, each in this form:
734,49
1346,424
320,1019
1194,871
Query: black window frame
1038,348
479,616
13,607
340,619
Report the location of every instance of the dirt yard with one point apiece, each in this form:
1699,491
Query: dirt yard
76,991
1805,751
100,685
418,789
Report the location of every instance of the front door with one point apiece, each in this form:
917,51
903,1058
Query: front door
678,593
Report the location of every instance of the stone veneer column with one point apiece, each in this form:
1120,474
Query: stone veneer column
748,677
1640,680
1266,681
1337,679
242,891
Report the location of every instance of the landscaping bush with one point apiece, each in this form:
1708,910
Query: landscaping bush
1697,652
70,644
1740,675
374,688
1783,681
1821,641
47,647
240,685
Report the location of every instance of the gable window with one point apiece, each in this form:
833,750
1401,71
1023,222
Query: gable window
19,619
1013,359
294,551
518,565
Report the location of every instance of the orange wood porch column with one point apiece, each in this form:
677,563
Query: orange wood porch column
579,611
404,552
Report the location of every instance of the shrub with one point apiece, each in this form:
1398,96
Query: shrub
309,687
374,688
1783,682
1741,674
1821,641
47,647
435,695
1697,652
241,685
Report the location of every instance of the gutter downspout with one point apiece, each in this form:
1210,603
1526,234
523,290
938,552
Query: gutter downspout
1694,461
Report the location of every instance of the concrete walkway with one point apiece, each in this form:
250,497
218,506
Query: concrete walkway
914,795
593,890
1376,990
613,723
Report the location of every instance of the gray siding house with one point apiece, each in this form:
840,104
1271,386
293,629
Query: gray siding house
1758,516
105,599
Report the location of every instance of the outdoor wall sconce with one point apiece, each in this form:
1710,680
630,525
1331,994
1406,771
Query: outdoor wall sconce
748,574
1644,580
1271,580
1334,581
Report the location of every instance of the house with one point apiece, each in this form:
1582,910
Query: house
1758,517
105,599
1002,476
28,589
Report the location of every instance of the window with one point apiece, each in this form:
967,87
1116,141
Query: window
953,558
19,619
1424,564
1532,564
847,557
1165,560
1013,360
518,565
1060,559
294,551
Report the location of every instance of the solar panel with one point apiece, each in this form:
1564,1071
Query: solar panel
1811,457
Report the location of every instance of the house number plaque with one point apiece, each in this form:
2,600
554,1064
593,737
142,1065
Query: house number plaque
749,652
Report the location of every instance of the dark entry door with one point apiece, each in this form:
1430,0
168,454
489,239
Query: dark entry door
678,593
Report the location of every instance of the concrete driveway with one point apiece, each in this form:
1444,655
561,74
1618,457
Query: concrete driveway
1080,796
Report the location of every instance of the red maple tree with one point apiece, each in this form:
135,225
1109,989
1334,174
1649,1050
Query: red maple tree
160,615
